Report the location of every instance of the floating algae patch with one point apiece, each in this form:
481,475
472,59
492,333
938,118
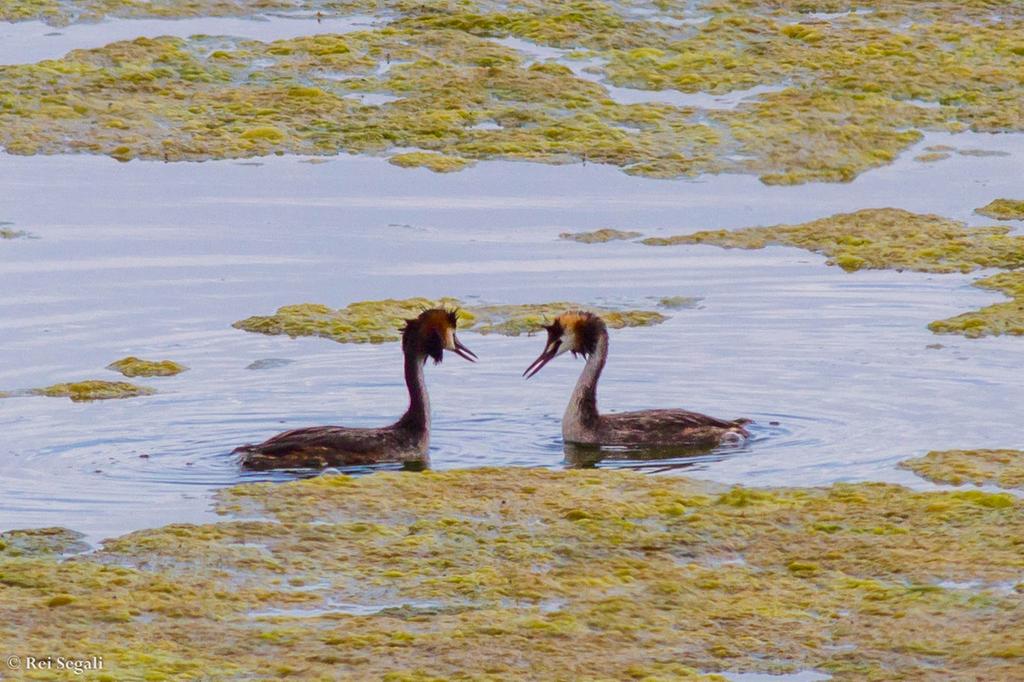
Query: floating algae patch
884,238
981,153
592,23
1004,468
24,10
94,390
381,321
132,366
269,363
1003,209
605,234
38,541
542,575
65,12
849,94
994,320
175,99
679,302
858,89
6,232
362,322
896,239
439,163
514,320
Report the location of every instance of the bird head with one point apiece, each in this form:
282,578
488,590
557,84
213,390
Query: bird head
432,333
576,332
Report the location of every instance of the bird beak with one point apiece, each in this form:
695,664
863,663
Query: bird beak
464,352
543,359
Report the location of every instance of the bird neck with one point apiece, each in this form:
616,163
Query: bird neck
417,417
582,409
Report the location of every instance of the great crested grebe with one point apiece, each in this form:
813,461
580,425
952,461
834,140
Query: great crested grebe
406,441
585,334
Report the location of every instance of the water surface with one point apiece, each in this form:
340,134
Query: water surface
157,260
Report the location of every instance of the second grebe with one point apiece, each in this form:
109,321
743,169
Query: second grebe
406,441
586,334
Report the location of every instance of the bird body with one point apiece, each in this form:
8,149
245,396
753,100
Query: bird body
656,429
586,334
406,441
327,446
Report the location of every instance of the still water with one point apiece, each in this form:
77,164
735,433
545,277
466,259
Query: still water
157,260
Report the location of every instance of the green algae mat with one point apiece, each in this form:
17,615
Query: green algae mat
533,574
1002,468
80,391
993,320
894,239
99,389
1003,209
7,232
605,234
381,321
840,94
132,366
884,238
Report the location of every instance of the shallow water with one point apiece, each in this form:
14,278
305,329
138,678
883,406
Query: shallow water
802,676
157,260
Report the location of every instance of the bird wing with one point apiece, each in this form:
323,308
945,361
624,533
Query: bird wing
666,428
320,446
681,420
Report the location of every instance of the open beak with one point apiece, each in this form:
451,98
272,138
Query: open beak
542,359
464,352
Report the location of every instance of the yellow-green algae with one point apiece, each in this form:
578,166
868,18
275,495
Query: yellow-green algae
1003,209
931,157
884,238
37,541
548,19
361,322
514,320
534,574
381,321
994,320
64,12
853,84
851,89
132,366
94,390
679,302
605,234
175,99
1004,468
439,163
896,239
7,233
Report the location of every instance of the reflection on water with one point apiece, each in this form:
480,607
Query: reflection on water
842,364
